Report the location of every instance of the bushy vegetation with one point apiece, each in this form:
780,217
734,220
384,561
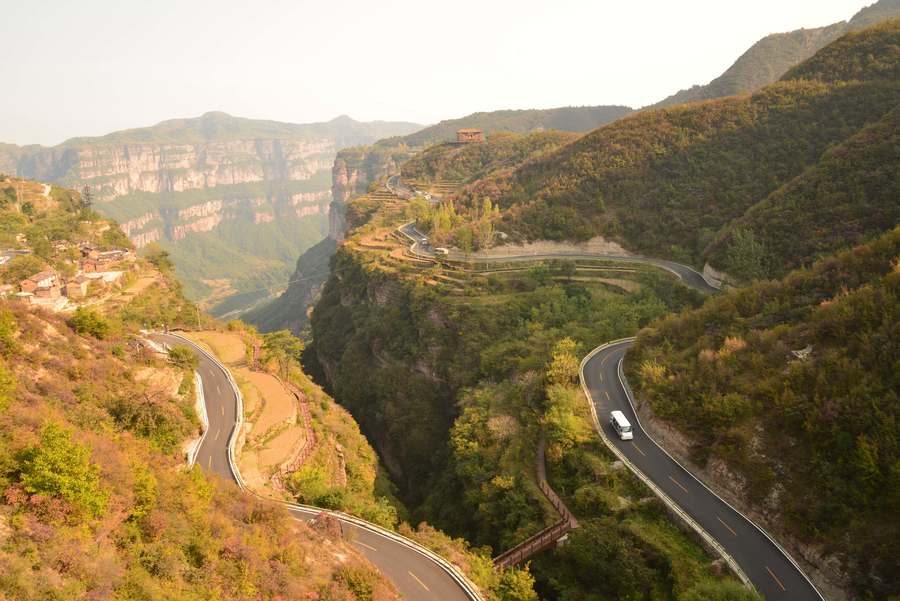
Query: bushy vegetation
671,182
464,162
847,198
94,500
867,55
819,434
456,390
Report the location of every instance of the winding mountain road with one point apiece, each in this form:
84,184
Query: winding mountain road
765,564
416,573
751,551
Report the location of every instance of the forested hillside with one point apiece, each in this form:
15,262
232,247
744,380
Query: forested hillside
569,118
95,501
455,378
850,196
356,169
771,57
666,182
503,150
811,439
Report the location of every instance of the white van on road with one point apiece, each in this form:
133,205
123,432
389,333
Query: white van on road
620,424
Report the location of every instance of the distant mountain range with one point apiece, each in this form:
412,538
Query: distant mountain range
771,57
234,200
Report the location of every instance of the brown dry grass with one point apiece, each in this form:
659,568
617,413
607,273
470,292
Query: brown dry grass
227,346
279,406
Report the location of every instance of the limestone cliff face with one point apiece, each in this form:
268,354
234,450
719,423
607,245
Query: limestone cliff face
353,171
117,170
175,225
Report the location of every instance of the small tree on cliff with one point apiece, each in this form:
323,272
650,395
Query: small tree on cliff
87,198
283,348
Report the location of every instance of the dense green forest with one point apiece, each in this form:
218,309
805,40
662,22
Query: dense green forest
820,434
848,197
455,387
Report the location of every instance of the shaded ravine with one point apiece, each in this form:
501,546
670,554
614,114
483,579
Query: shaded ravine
752,554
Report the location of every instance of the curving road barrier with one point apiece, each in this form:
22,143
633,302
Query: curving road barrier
417,572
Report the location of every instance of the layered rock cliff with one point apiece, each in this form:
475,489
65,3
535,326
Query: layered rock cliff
114,171
214,190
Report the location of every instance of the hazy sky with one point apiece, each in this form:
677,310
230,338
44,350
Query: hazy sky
93,66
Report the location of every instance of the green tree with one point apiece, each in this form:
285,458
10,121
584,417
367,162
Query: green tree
564,365
746,257
159,257
465,239
20,268
515,585
282,347
184,357
7,386
88,321
87,198
59,467
8,330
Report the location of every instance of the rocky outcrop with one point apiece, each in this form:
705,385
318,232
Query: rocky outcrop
353,171
138,223
123,169
202,217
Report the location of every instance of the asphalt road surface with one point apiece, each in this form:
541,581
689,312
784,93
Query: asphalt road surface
415,575
771,572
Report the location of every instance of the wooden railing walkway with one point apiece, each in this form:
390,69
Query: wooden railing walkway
547,537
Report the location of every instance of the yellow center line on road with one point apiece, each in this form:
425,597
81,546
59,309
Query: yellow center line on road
775,578
223,409
678,484
217,434
419,581
638,449
721,521
209,463
370,548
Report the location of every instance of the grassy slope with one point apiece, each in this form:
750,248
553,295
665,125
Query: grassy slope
814,442
94,504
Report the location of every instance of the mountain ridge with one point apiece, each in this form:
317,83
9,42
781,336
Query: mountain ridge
768,59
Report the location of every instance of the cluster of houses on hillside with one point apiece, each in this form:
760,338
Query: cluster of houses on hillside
50,289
